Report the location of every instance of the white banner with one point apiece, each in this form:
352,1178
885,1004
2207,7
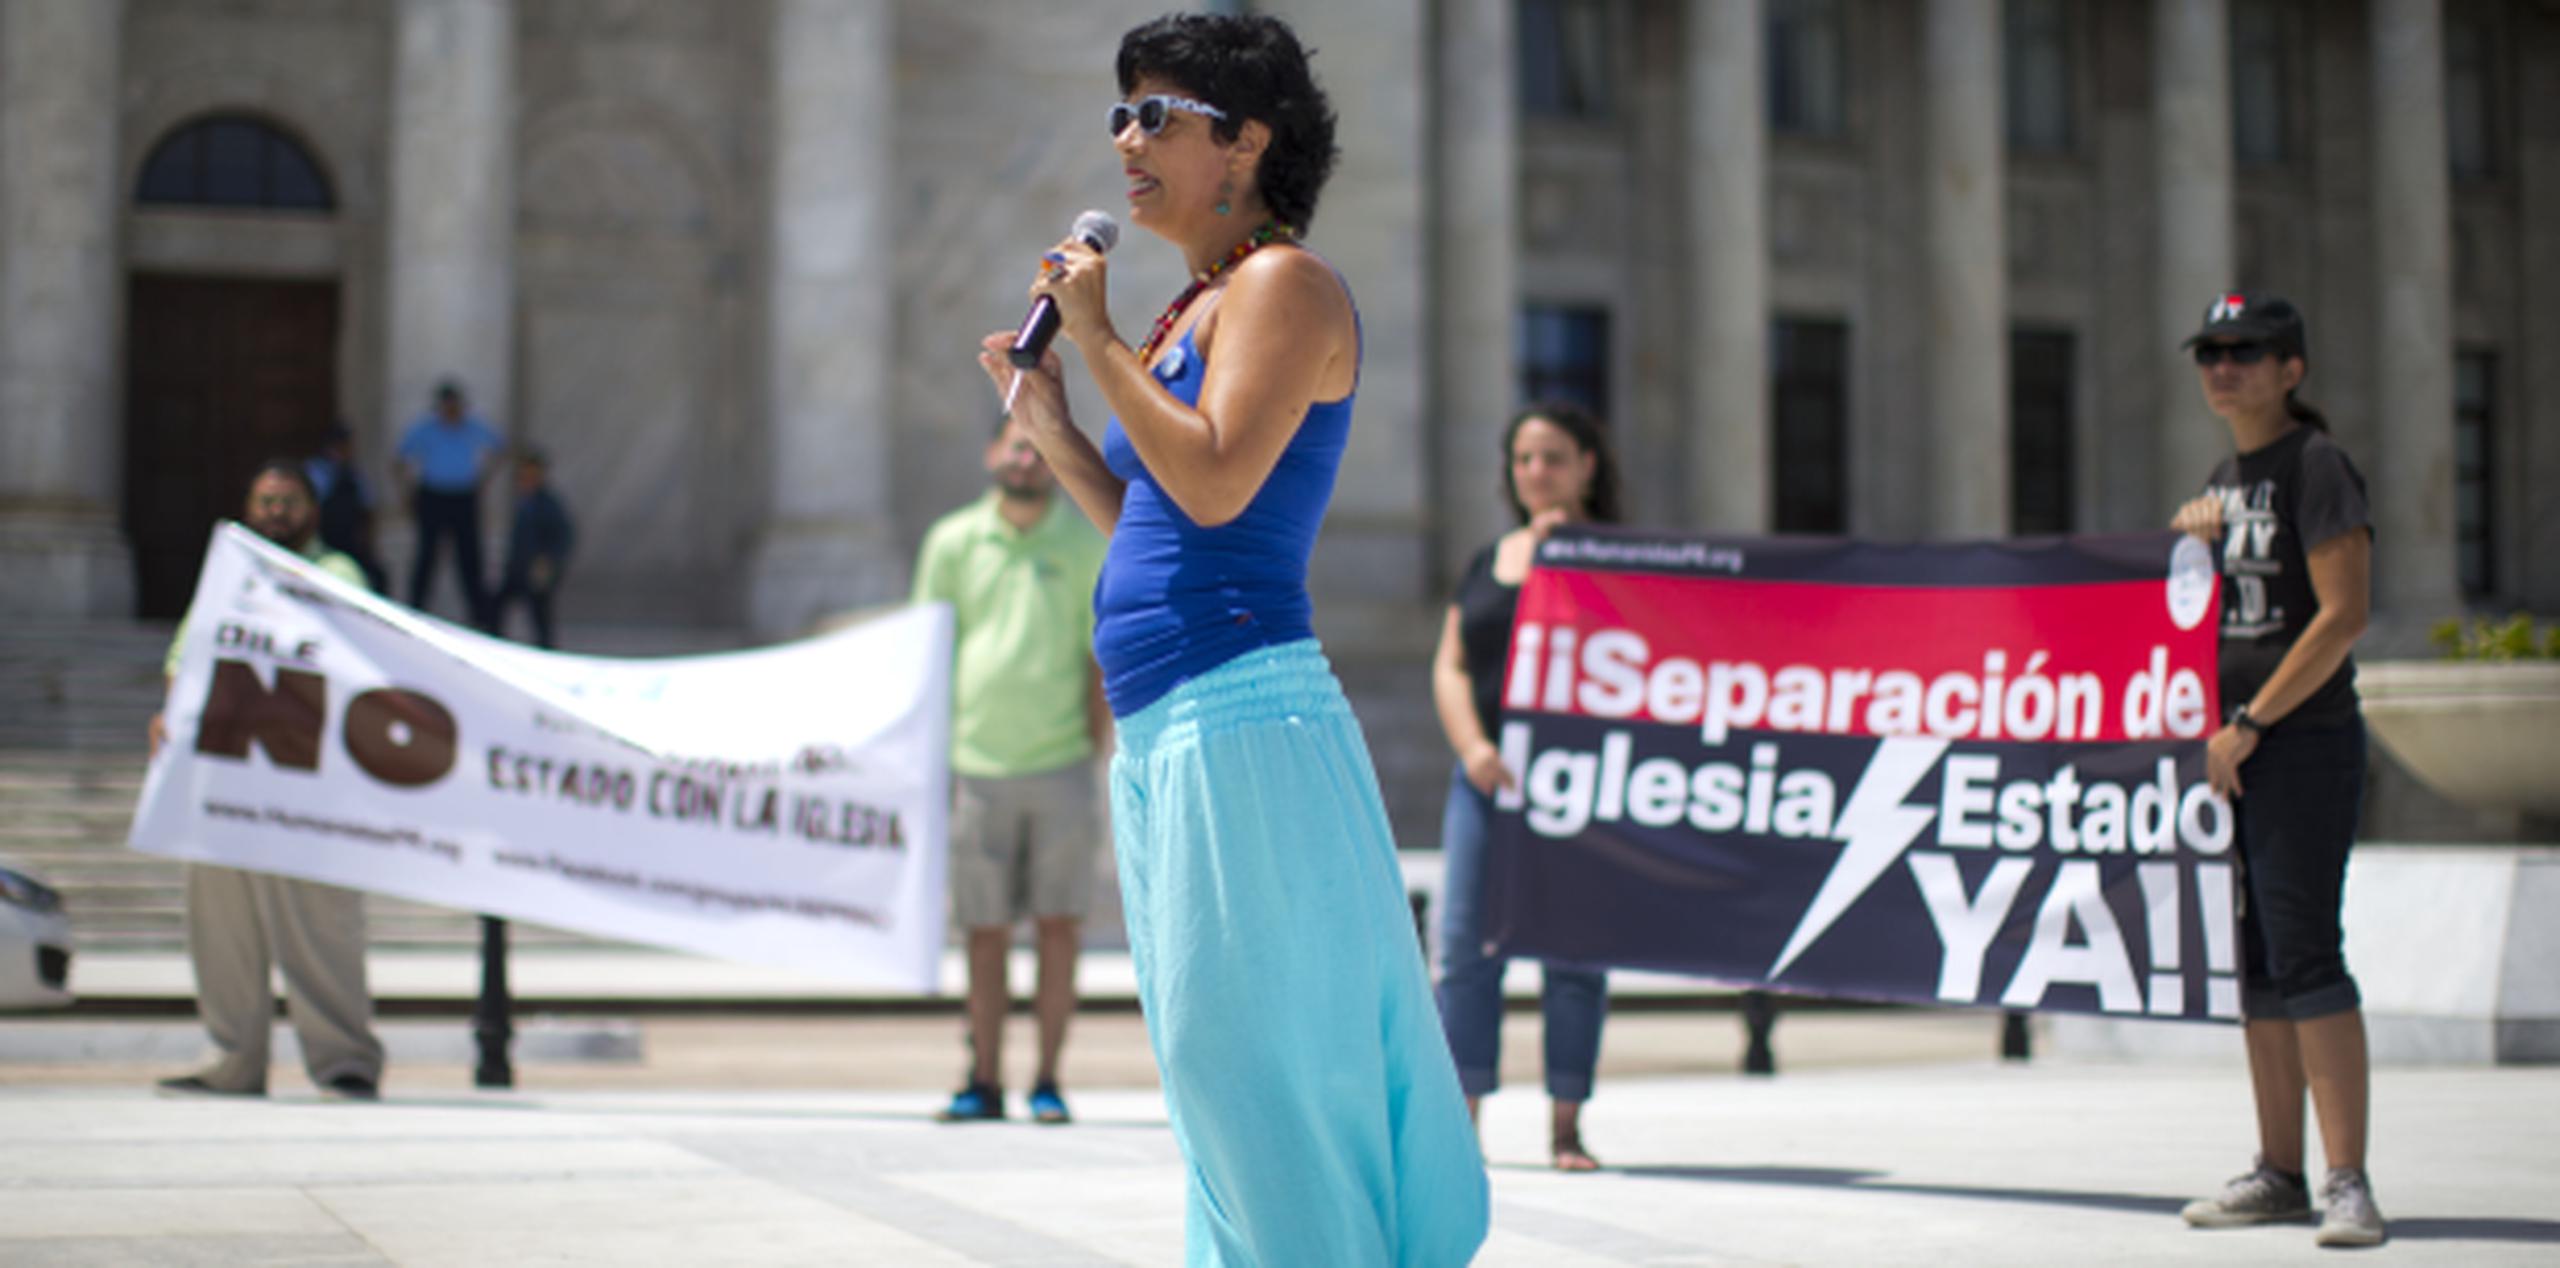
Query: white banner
783,807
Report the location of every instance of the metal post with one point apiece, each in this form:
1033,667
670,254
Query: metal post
493,1019
1759,1017
1421,900
2013,1036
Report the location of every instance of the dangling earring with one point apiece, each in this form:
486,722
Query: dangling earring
1226,191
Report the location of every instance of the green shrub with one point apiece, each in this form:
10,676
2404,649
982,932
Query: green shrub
2488,638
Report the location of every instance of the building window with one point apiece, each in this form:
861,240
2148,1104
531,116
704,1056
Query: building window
2472,93
2475,502
1808,67
2037,65
1809,418
1564,59
2261,74
2041,474
1564,356
232,161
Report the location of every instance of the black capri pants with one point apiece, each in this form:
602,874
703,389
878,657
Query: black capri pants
2302,791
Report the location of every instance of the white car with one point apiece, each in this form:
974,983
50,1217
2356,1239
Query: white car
35,943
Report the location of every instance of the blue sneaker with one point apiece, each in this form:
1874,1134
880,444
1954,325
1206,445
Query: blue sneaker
1047,1106
976,1103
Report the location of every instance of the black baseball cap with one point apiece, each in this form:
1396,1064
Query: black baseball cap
2255,317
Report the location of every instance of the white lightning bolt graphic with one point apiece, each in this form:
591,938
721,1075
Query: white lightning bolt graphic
1875,828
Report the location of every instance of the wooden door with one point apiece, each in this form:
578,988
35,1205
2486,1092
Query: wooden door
221,374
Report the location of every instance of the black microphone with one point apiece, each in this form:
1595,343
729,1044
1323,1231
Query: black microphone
1099,231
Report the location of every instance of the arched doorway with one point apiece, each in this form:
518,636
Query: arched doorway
221,372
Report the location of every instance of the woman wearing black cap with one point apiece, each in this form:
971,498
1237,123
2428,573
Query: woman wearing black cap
2288,514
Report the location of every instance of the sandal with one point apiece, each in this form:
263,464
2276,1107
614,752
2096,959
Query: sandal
1565,1151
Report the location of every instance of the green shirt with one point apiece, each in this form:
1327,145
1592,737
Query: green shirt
1022,654
332,562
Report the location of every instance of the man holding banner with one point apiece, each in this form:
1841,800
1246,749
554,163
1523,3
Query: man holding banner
783,806
242,925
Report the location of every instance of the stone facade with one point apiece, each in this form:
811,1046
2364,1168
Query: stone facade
58,70
729,262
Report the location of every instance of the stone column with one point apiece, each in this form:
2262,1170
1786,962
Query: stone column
2191,154
2535,551
62,553
1475,291
2412,467
450,297
1371,575
1729,441
829,539
1968,330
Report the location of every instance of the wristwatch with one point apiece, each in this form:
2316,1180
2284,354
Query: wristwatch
2241,719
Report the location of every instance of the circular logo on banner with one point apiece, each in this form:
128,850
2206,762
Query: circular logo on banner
2190,581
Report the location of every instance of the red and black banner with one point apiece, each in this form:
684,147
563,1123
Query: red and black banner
1961,774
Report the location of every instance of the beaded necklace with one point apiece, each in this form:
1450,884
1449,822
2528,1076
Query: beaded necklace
1268,232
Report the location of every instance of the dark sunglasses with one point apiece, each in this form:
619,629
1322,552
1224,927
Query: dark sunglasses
2237,353
1152,113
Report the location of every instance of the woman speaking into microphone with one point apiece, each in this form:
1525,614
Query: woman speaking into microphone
1304,1070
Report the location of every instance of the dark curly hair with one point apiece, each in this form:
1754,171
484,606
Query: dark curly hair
288,469
1591,436
1252,67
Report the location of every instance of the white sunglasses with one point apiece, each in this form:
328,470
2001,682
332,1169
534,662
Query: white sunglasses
1153,112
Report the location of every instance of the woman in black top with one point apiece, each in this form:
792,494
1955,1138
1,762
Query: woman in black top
2287,513
1558,470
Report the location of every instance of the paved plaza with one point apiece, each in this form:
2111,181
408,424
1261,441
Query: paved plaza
1888,1138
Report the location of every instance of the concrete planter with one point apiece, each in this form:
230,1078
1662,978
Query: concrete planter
2486,734
2457,949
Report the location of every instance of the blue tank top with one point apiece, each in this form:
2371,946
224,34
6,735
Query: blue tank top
1177,600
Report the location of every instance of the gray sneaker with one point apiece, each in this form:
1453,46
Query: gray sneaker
2263,1196
2348,1216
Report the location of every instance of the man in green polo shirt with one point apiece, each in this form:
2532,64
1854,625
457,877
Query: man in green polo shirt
243,926
1018,567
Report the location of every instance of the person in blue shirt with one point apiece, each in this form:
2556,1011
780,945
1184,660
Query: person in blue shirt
446,455
538,546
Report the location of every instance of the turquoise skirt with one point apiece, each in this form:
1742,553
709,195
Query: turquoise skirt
1309,1085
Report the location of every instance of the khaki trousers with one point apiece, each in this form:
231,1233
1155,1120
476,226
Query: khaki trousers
241,926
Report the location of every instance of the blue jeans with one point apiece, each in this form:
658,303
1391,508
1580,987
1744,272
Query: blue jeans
2301,792
1575,997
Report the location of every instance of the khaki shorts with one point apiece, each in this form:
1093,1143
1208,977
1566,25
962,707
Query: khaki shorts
1023,846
